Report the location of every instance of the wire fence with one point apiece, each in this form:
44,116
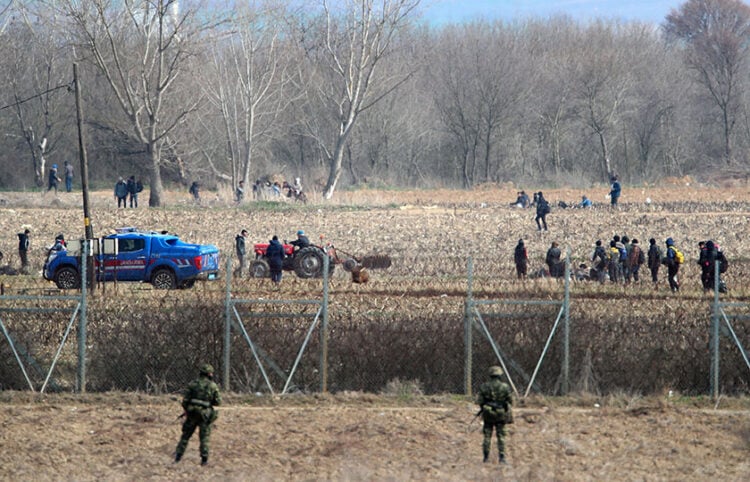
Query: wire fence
404,330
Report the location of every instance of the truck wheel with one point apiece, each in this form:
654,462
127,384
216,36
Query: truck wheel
308,263
164,279
260,269
67,278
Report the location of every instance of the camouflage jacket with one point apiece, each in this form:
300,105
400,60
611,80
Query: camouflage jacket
201,396
495,399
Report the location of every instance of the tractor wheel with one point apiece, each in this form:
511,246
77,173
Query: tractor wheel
164,279
260,269
349,264
67,278
308,263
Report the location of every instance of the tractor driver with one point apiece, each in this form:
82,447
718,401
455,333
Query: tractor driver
301,241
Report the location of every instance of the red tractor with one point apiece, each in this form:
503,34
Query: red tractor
306,262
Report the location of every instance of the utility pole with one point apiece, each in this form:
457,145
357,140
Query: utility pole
88,228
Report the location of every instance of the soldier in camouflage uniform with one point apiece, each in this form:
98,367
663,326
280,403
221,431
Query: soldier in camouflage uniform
198,402
495,402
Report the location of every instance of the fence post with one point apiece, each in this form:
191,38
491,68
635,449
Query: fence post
324,330
227,324
566,327
468,305
714,382
82,321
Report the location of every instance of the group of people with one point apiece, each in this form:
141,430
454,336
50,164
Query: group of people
53,180
263,189
621,259
127,191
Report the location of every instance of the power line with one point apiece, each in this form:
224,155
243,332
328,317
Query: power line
23,101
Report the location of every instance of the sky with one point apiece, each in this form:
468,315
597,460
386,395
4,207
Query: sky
455,11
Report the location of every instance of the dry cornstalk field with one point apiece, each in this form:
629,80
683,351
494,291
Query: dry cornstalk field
635,333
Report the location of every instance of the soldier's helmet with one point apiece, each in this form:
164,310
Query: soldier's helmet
496,371
206,369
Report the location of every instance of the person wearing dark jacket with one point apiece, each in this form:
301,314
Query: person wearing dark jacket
600,261
121,193
556,265
275,257
614,193
654,260
542,210
133,192
301,242
521,258
23,249
239,245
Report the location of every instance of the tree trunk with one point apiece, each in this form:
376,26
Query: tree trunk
155,186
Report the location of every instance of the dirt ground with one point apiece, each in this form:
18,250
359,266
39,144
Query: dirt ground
367,437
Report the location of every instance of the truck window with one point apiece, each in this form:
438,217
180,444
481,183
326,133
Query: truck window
130,245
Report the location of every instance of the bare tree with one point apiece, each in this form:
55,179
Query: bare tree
142,48
716,34
601,86
250,70
36,78
354,42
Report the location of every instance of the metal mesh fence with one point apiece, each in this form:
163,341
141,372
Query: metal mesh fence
406,326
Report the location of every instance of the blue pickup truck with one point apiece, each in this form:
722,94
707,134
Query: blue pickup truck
163,260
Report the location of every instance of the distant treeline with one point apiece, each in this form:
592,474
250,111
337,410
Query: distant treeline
267,89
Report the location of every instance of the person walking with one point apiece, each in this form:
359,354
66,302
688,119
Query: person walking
275,257
542,210
636,258
121,193
615,191
600,261
68,176
673,261
521,258
133,191
24,242
195,190
495,402
52,179
239,246
654,260
198,401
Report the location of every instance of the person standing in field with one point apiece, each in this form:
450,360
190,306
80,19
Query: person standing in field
521,258
275,257
68,176
654,260
615,191
673,260
121,193
495,402
239,246
133,191
542,210
635,259
553,261
24,242
198,401
600,266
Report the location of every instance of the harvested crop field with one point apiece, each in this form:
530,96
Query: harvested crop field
361,436
367,437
